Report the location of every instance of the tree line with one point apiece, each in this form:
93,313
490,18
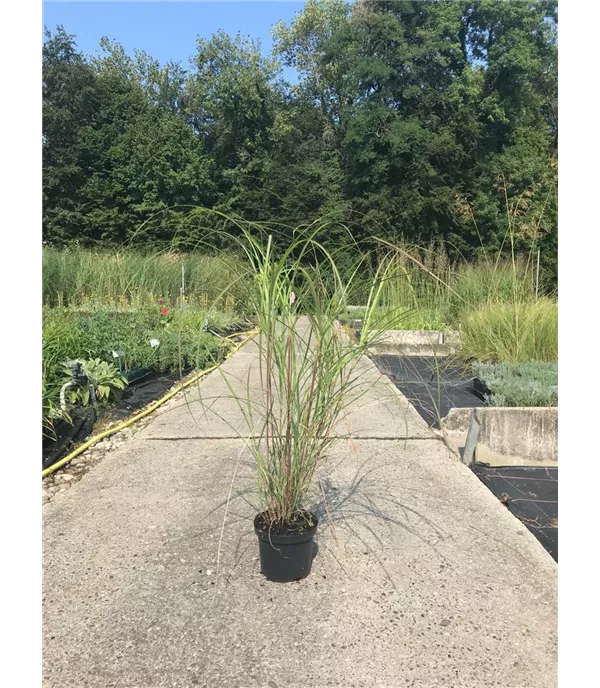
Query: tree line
421,121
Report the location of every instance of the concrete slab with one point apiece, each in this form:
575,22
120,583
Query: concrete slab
209,408
381,410
422,578
417,343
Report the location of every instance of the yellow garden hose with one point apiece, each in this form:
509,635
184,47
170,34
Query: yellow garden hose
150,409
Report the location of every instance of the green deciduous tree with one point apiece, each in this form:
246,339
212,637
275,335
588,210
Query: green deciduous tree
424,120
70,102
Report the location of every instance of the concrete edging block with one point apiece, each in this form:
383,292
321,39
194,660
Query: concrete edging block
418,343
507,435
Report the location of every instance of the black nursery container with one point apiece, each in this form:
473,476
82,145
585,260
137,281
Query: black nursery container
285,557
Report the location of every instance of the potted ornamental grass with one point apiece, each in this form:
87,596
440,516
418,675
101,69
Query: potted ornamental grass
309,374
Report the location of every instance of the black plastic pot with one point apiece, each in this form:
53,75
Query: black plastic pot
285,557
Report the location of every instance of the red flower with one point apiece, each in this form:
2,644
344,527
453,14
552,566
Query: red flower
161,301
164,311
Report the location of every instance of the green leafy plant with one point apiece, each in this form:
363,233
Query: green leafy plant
61,340
519,384
123,335
104,378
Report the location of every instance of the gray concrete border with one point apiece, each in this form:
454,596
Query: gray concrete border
417,343
505,436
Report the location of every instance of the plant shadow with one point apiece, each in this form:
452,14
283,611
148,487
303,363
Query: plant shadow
369,511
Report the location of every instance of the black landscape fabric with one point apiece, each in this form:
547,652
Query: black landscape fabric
432,385
67,435
531,494
144,388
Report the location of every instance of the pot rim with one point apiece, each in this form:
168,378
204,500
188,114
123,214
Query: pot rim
292,538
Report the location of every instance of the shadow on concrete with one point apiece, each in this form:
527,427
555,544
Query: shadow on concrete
358,509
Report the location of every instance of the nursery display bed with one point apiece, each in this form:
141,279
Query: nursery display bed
432,385
531,494
144,387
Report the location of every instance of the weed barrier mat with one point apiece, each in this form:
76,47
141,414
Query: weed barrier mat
531,494
140,392
145,387
432,385
67,435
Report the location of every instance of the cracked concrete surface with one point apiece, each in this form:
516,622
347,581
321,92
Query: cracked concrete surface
421,577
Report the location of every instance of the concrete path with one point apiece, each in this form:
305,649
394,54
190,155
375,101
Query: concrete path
422,578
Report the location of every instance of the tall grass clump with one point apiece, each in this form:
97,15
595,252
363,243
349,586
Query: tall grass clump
309,368
436,289
415,288
511,332
76,277
492,301
482,282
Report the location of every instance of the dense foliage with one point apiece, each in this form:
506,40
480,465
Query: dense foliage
511,332
156,337
421,120
79,277
519,384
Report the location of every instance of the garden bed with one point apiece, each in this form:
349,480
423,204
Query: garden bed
154,339
433,385
448,397
147,344
518,423
147,388
531,494
518,384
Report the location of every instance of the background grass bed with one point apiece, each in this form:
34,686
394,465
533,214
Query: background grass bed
100,302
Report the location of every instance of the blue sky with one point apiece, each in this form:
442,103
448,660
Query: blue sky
167,30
